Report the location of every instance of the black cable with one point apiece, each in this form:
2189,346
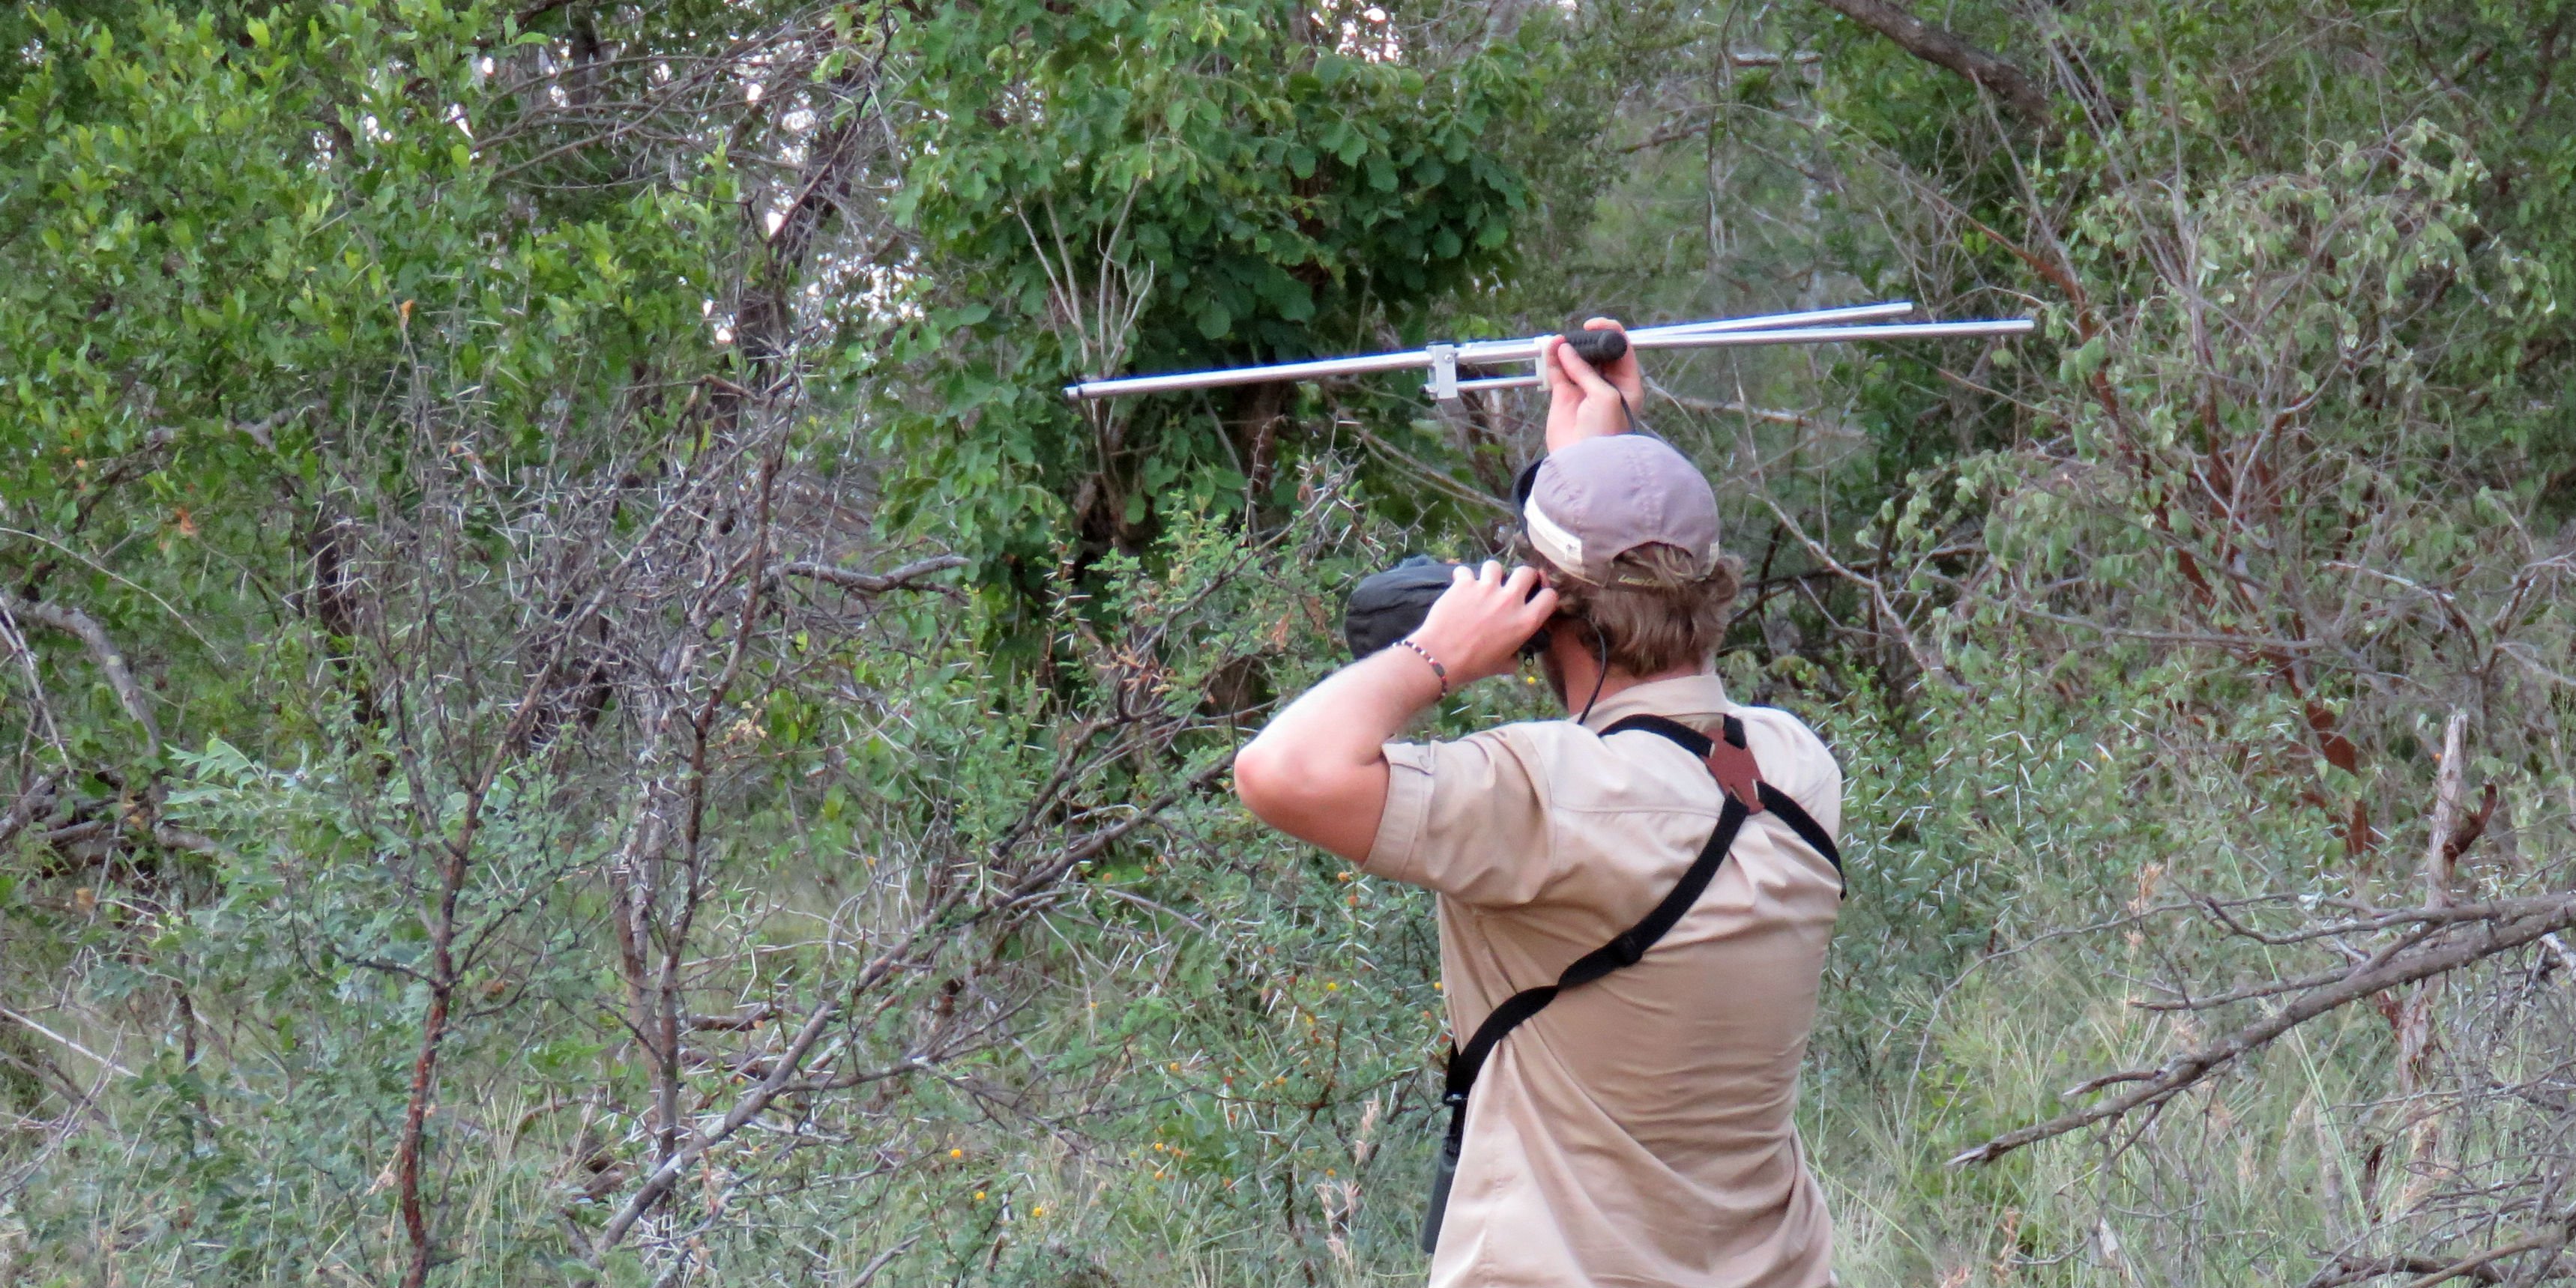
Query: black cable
1601,643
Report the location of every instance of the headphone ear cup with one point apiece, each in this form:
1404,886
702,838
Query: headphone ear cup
1387,606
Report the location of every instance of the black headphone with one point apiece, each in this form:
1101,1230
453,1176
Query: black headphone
1387,606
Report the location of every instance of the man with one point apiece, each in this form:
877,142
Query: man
1637,1132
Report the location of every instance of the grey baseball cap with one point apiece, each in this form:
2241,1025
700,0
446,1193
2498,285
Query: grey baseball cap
1589,503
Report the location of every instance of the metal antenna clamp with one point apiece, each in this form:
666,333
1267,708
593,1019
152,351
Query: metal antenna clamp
1444,371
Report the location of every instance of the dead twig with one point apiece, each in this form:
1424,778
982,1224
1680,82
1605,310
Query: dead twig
23,810
2341,1272
901,577
2480,1265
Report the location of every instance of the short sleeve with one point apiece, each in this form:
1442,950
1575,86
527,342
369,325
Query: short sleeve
1465,818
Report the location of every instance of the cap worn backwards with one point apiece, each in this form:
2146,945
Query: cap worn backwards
1595,500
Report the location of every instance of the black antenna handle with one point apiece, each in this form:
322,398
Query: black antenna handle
1597,347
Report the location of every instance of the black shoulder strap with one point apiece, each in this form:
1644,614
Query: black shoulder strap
1732,777
1625,950
1465,1063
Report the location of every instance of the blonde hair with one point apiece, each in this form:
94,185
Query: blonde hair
1658,613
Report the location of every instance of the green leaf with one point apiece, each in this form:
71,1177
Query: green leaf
2083,362
1288,296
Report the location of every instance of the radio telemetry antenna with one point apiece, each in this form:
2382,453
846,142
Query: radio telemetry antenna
1814,326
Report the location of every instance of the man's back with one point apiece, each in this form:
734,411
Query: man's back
1638,1131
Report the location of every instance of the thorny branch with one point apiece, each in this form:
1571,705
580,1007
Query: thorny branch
940,919
2181,1071
2439,938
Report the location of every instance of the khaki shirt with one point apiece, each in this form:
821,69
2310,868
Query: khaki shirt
1637,1132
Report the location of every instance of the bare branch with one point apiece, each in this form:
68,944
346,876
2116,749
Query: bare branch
868,1272
2191,1067
1944,48
2341,1272
110,659
180,838
897,578
1739,407
2478,1265
33,1027
1923,661
23,810
934,919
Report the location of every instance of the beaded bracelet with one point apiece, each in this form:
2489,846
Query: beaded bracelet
1439,672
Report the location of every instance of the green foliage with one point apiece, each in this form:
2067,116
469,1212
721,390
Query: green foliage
229,236
1157,186
456,415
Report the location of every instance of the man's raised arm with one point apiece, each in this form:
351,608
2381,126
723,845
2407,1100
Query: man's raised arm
1318,771
1585,402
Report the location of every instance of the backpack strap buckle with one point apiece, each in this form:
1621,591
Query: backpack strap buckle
1731,762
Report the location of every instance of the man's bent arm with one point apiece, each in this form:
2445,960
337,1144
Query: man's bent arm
1318,771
